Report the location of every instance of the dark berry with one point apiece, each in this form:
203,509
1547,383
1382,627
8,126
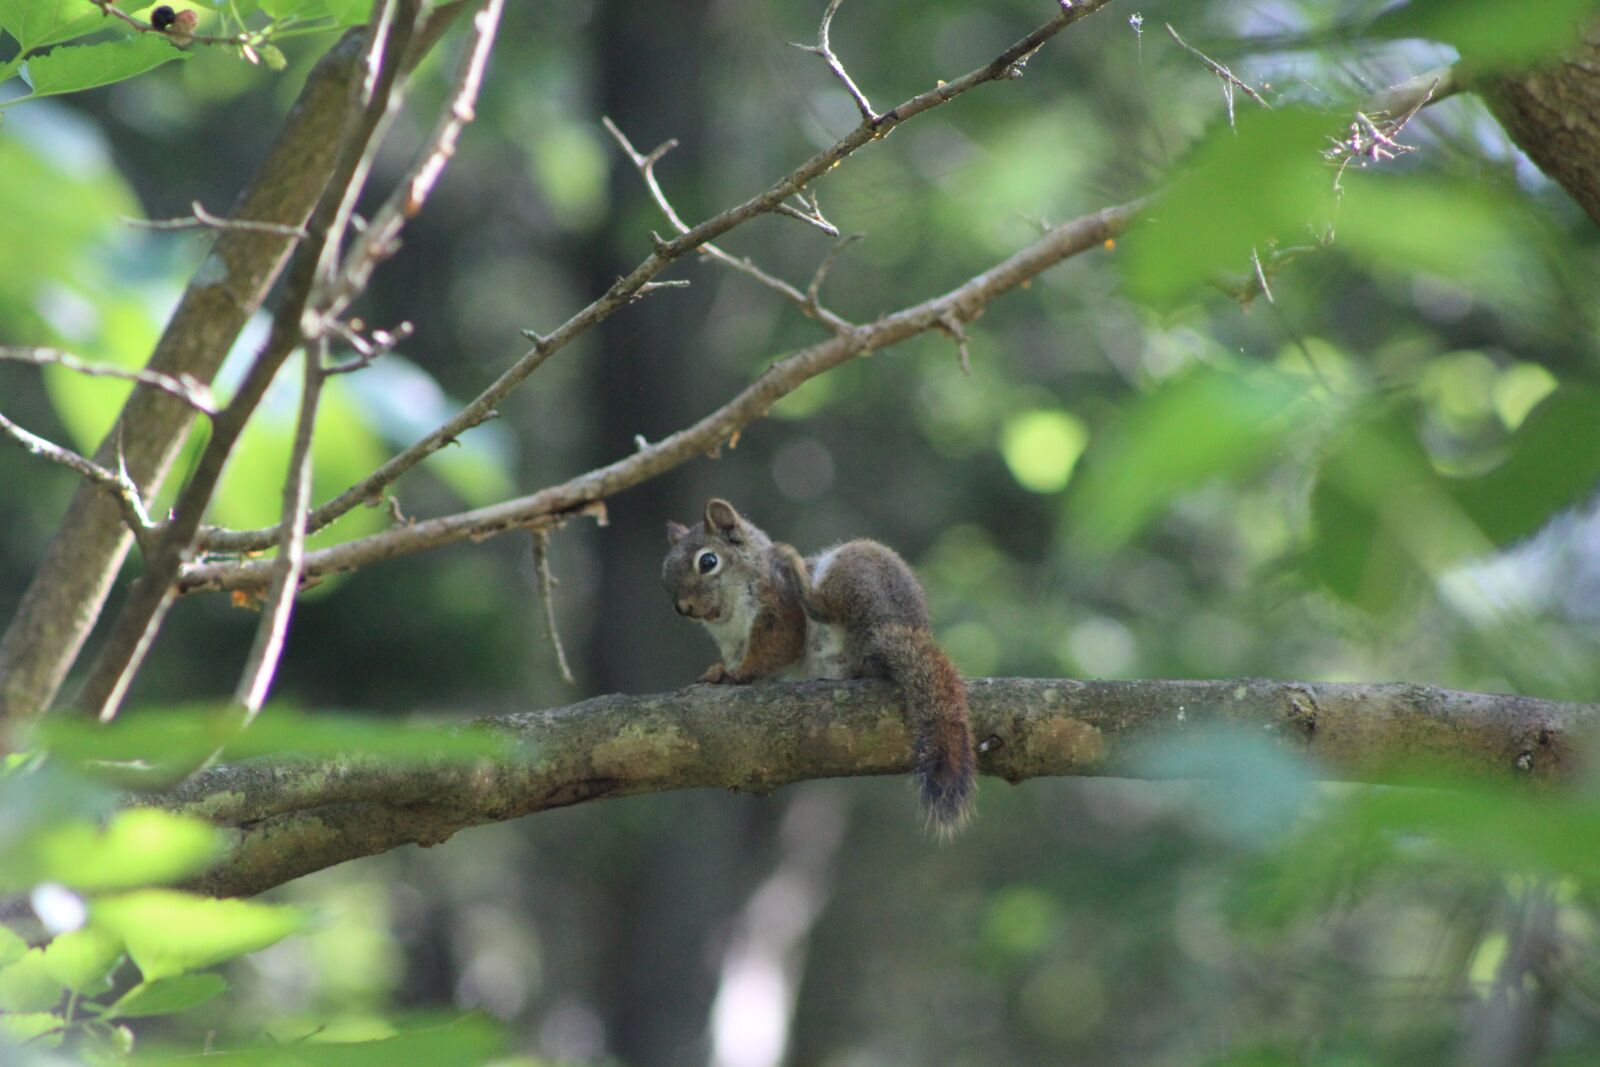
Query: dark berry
163,17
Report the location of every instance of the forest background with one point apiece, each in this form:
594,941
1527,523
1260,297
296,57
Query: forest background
1358,449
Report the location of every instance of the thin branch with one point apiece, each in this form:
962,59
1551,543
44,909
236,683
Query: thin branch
239,40
781,378
290,817
381,343
296,320
118,485
547,586
546,345
203,219
809,212
262,664
814,287
68,590
822,48
950,326
380,239
194,393
1229,80
645,165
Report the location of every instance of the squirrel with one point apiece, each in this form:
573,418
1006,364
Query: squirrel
855,610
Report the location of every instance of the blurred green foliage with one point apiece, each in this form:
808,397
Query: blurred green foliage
1379,464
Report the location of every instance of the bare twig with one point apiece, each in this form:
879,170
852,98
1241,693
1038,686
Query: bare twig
822,48
278,606
645,165
547,585
556,503
297,320
808,212
546,345
240,40
68,590
814,287
203,219
1229,80
118,485
380,238
650,287
381,343
192,392
951,327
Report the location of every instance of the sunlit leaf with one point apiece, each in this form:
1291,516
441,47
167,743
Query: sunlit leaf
1490,32
170,933
26,985
12,947
1204,425
68,70
1383,520
1468,234
167,996
82,959
180,737
37,23
1552,462
467,1042
1242,192
29,1027
139,847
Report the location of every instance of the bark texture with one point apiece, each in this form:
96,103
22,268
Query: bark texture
68,590
1553,114
291,817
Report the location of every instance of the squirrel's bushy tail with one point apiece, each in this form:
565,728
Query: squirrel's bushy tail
936,713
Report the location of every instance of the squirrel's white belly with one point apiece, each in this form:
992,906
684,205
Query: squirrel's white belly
825,651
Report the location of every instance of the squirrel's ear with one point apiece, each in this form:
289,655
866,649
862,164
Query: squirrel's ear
676,531
722,519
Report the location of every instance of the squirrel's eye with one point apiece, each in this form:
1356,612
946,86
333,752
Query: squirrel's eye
707,561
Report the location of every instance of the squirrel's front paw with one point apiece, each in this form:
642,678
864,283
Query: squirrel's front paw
715,674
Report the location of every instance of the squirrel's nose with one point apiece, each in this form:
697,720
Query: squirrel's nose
682,606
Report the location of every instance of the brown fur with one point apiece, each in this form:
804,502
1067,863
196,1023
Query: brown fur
861,591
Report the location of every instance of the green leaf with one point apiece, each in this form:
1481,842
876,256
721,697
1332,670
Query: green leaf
138,847
167,996
29,1027
300,9
82,959
26,985
12,947
170,933
68,70
1383,519
38,23
1241,192
179,737
1490,32
1206,424
349,12
1469,234
470,1041
1553,462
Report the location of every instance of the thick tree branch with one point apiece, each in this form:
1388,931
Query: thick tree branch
370,103
1553,114
68,589
557,503
291,817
